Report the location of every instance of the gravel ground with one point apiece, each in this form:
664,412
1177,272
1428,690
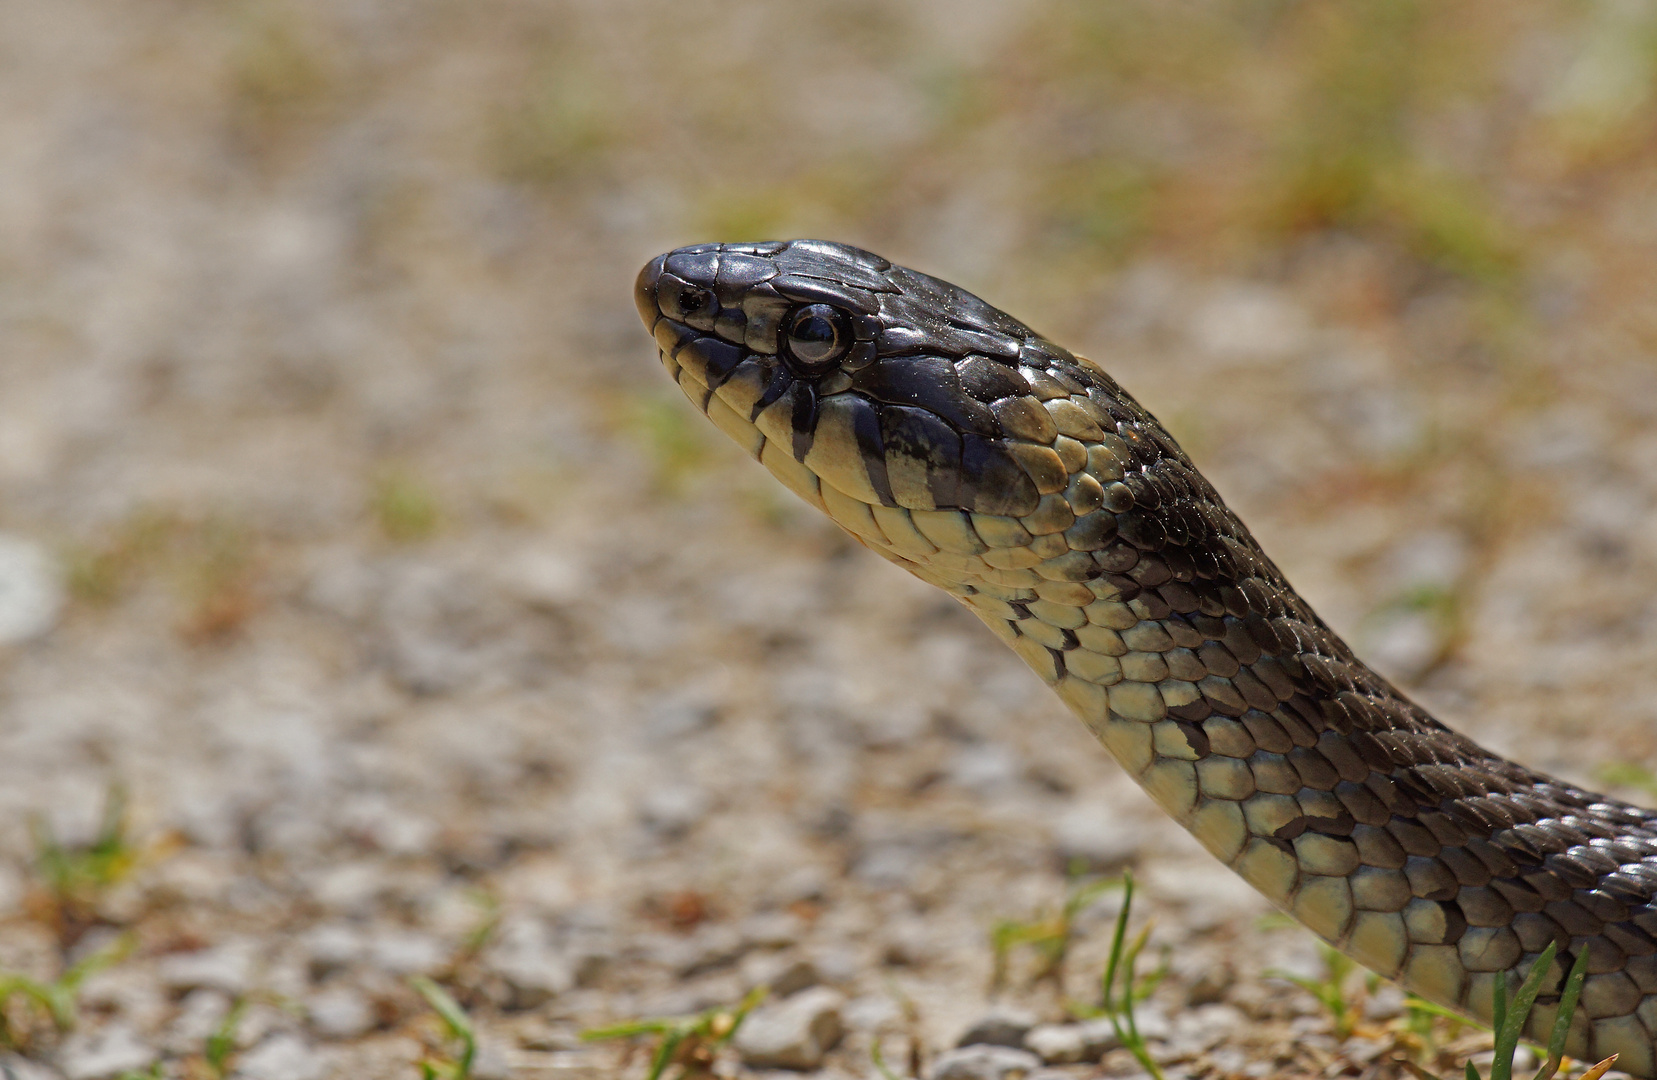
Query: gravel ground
352,540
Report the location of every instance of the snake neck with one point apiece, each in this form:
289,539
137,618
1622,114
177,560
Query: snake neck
1186,652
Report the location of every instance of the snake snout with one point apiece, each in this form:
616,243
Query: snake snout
644,289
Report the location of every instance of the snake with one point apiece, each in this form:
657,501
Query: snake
1022,479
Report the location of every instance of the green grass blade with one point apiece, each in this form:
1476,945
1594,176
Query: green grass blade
665,1052
652,1026
454,1018
110,954
1510,1024
221,1042
1108,983
1130,964
1498,1023
749,1002
1433,1008
1562,1020
879,1060
1473,1074
1123,959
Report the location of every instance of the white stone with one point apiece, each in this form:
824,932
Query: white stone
227,968
492,1063
332,946
871,1012
984,768
31,590
1069,1044
984,1063
339,1012
105,1053
534,976
793,1033
199,1015
673,809
544,579
13,1067
405,952
1094,833
785,974
283,1056
1201,1028
1002,1027
772,930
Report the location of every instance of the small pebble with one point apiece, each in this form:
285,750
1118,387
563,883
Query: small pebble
675,717
13,1067
870,1012
1385,1003
771,930
837,965
31,590
227,968
1229,1059
1003,1027
710,948
805,884
672,810
404,952
339,1012
908,941
1094,835
199,1015
1069,1044
1198,1029
1210,984
104,1054
331,947
784,974
794,1033
984,1063
534,976
283,1056
491,1062
984,769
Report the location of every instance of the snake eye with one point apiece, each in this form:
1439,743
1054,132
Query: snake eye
818,336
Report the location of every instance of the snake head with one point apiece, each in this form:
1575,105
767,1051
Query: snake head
918,416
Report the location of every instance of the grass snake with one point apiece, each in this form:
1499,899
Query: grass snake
955,441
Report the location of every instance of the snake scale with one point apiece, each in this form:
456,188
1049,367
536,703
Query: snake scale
983,458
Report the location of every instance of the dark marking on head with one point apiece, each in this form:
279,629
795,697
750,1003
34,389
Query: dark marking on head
919,436
804,419
866,428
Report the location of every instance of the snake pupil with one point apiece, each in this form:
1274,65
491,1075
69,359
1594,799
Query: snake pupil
818,335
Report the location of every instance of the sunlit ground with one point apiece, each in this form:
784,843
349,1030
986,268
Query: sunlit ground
350,532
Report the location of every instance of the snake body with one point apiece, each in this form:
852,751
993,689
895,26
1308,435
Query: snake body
955,441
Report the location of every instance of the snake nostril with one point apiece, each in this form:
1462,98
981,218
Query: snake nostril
693,300
685,301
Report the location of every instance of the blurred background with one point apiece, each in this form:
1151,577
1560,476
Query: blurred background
371,606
